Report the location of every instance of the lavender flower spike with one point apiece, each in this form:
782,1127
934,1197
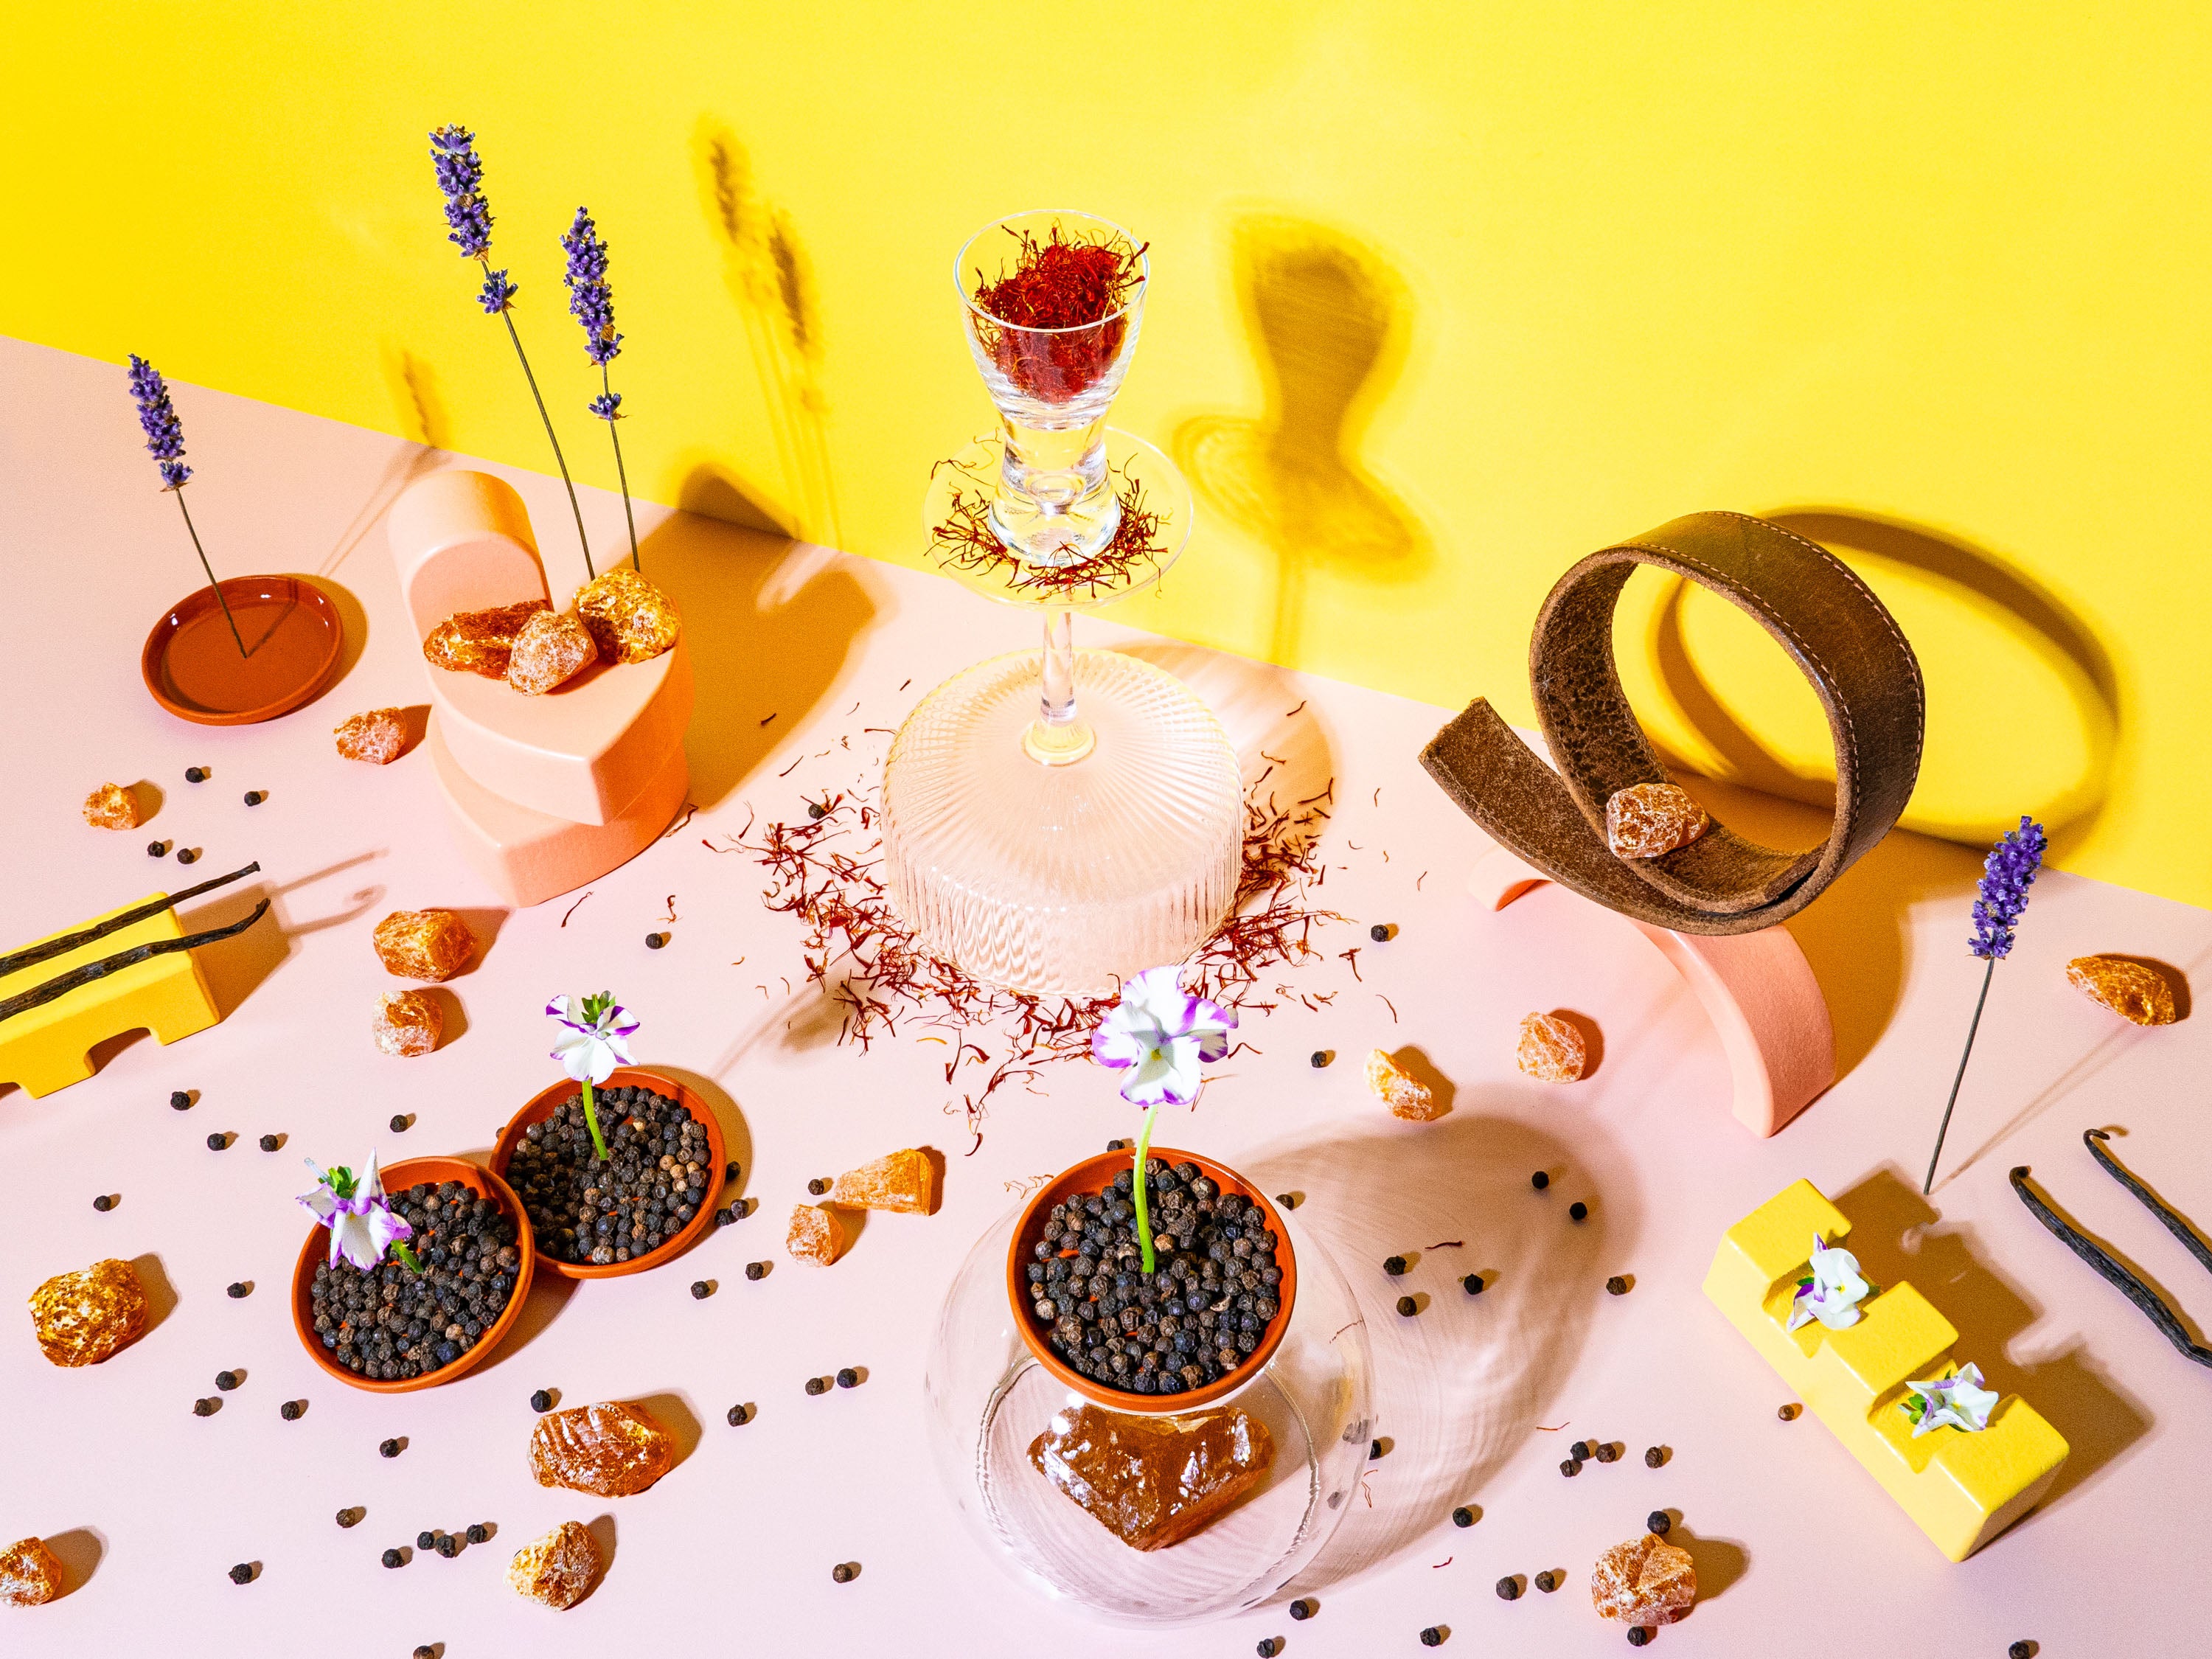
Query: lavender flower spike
164,433
591,301
607,405
460,177
498,293
2007,875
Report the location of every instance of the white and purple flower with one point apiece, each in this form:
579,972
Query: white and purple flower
594,1037
362,1223
1833,1292
1958,1400
1158,1033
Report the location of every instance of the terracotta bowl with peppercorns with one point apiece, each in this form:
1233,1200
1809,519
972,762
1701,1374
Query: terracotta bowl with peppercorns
1254,1220
551,1099
396,1179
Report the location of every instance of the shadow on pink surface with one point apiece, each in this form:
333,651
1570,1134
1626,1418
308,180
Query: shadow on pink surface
79,1550
160,1296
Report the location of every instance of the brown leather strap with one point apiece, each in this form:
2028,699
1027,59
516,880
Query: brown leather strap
1833,628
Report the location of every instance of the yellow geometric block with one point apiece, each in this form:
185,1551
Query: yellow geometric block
49,1046
1961,1489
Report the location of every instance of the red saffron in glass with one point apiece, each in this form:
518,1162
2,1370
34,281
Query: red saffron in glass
1081,287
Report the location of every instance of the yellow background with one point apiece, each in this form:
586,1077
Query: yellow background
1443,297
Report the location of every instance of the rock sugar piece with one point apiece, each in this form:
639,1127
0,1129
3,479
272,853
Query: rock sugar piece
2134,990
1551,1049
82,1318
630,619
111,806
480,642
559,1568
553,647
1154,1482
376,736
1405,1095
1646,819
904,1182
433,945
1647,1581
28,1574
611,1450
407,1023
817,1235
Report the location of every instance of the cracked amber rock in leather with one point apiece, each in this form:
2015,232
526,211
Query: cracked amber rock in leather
2134,990
1646,819
480,642
433,945
817,1235
1406,1095
1551,1050
552,649
630,619
904,1182
28,1574
612,1448
376,735
82,1318
111,806
407,1023
1647,1581
1154,1482
559,1568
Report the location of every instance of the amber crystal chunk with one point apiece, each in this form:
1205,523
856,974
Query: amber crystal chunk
111,806
1647,1581
630,619
1646,819
1406,1096
433,945
903,1181
2134,990
28,1574
407,1023
480,642
82,1318
612,1448
1154,1482
376,735
552,649
559,1568
817,1235
1551,1049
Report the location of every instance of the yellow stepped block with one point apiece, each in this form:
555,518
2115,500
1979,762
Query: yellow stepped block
49,1047
1961,1489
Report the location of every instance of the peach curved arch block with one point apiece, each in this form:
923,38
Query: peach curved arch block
1757,988
462,541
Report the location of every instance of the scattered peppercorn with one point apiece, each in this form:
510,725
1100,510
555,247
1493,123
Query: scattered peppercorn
195,775
155,849
2020,1650
848,1378
1539,1181
1570,1467
815,809
186,855
738,1417
1654,1456
291,1410
1608,1453
756,1270
654,941
1659,1521
1462,1516
426,1651
1616,1285
449,1545
1788,1414
1472,1284
1407,1307
226,1381
1269,1647
701,1290
426,1540
1578,1210
1288,1200
479,1533
1580,1450
399,1124
255,797
388,1448
204,1408
723,1218
540,1401
1319,1059
271,1143
179,1100
104,1203
1548,1582
393,1557
242,1573
1374,1449
817,1385
1638,1635
1509,1589
238,1291
1393,1265
1432,1637
730,1171
347,1517
1302,1609
844,1572
218,1141
1380,932
817,1186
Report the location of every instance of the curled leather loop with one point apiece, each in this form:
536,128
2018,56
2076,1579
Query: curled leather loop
1840,637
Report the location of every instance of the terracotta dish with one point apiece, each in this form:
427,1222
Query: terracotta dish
292,634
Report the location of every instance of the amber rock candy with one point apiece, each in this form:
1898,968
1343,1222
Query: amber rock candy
82,1318
1647,1581
817,1235
552,649
433,945
111,806
1551,1049
904,1182
1154,1482
28,1574
376,735
2135,991
611,1450
630,619
1404,1094
1646,819
559,1568
407,1023
480,642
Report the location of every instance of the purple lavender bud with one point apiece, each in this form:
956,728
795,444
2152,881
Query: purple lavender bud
461,176
2007,875
157,417
498,293
590,300
605,404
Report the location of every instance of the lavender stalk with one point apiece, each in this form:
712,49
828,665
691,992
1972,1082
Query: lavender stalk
592,303
165,442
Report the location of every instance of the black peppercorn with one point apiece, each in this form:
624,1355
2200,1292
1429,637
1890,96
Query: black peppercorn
1638,1635
186,855
815,809
226,1381
155,849
399,1124
179,1100
290,1411
723,1218
654,941
1319,1059
2020,1650
730,1171
1472,1284
1580,1450
1432,1637
1570,1467
1578,1210
1289,1201
426,1540
1654,1456
738,1417
756,1269
844,1572
1374,1449
1269,1647
195,775
817,1385
541,1401
1616,1285
242,1573
1539,1181
701,1290
425,1651
255,797
104,1203
1659,1521
348,1517
1548,1582
1393,1265
271,1143
1508,1590
477,1533
1407,1307
202,1408
393,1557
449,1545
1302,1610
1608,1453
817,1186
848,1378
388,1448
217,1141
1462,1516
1380,932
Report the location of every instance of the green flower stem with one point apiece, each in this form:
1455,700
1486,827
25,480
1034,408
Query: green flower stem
406,1256
592,1122
622,474
1144,1220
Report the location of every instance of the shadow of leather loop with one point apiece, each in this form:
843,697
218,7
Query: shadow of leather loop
1846,645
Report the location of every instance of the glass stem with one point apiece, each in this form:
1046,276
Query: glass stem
1136,1187
1056,737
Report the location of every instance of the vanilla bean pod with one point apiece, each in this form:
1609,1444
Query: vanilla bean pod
67,942
63,984
2153,1307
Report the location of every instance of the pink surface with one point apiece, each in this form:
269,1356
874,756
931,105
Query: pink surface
1800,1554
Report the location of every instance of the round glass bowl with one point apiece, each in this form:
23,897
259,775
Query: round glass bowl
989,1398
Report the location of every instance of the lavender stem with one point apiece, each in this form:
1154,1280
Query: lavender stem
559,459
180,494
1988,974
623,475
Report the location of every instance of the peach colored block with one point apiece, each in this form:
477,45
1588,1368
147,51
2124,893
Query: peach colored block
531,857
1757,988
462,542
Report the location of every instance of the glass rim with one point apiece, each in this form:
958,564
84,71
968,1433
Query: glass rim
1136,295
